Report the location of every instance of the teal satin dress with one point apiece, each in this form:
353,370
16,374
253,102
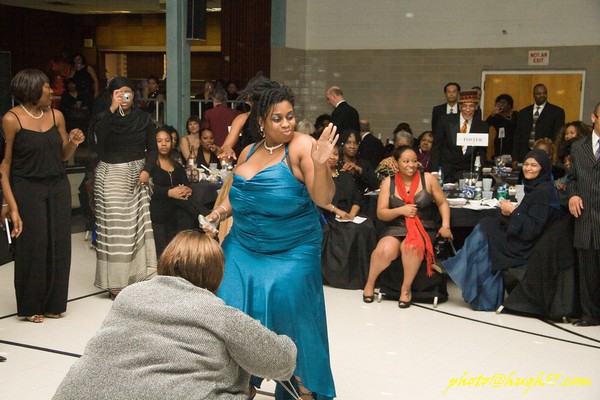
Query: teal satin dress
273,268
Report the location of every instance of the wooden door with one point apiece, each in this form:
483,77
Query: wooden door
565,89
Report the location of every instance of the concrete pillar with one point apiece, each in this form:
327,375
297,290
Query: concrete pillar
178,66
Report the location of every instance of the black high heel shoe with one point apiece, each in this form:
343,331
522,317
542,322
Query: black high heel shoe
368,299
404,303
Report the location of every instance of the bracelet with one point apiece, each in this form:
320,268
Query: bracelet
4,205
218,213
224,209
332,208
72,142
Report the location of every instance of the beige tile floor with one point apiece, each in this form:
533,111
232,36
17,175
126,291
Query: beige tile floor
378,351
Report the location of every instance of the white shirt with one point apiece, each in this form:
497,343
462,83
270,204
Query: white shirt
451,109
595,139
540,109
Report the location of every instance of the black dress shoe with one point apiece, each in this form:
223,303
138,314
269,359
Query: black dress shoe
586,322
2,358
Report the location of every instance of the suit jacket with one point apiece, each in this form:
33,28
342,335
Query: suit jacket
551,119
583,182
218,119
440,110
371,149
436,114
447,154
345,117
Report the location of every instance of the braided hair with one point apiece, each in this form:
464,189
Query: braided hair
263,101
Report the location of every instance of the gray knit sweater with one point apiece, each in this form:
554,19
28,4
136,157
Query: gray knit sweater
168,339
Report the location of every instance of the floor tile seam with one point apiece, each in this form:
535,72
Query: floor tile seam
39,348
519,330
85,296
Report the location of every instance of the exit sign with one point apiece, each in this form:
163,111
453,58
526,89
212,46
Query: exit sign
539,57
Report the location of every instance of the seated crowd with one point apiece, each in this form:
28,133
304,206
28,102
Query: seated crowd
496,245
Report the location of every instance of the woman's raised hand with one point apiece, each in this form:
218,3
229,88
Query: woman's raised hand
322,148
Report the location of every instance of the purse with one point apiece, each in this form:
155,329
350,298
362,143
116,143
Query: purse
443,248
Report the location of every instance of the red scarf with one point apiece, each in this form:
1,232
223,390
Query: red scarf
417,240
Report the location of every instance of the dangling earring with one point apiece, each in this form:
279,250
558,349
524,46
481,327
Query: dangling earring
261,131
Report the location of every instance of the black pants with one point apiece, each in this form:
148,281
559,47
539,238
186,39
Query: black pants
43,250
164,231
589,281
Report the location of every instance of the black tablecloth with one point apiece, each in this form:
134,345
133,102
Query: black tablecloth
459,217
205,193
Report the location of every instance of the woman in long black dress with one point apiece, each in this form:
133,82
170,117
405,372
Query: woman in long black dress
346,246
170,208
37,196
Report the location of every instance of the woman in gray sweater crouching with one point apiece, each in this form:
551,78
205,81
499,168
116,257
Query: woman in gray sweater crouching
172,338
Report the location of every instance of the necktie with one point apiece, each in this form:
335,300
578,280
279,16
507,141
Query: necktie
463,129
597,154
536,115
452,111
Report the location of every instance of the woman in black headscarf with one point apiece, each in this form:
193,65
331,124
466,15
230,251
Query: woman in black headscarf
497,244
126,252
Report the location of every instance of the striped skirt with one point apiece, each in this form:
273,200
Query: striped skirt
126,253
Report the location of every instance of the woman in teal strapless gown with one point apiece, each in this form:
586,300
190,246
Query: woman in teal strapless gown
273,250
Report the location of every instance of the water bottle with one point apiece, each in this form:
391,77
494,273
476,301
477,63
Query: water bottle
477,168
441,177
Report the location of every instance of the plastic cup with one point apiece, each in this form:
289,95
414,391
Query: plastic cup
487,194
470,178
520,192
487,183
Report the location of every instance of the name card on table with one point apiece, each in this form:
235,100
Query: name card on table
472,139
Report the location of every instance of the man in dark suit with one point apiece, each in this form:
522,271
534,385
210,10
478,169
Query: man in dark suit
454,159
344,116
584,203
536,121
219,118
370,148
451,91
